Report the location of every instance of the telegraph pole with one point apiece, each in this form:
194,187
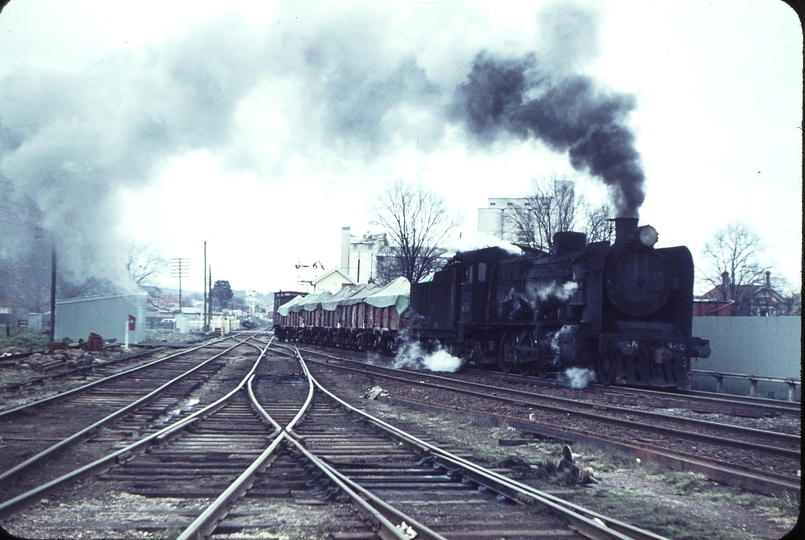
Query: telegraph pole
209,306
206,326
180,267
52,293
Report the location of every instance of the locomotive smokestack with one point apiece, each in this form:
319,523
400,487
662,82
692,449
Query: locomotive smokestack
624,229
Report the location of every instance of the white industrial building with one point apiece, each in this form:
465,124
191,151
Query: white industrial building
494,221
359,255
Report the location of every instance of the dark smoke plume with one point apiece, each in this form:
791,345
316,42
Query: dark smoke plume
569,115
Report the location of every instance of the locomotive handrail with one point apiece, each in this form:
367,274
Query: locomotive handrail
753,379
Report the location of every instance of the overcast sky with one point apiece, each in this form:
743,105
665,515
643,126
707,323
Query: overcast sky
264,128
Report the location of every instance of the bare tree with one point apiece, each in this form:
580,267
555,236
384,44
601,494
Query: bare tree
416,222
598,226
69,287
733,266
144,265
552,206
790,305
30,280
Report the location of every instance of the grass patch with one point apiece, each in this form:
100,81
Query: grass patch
686,483
28,341
782,510
170,534
27,454
662,519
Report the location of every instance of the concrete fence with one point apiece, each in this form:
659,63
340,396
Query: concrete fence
763,347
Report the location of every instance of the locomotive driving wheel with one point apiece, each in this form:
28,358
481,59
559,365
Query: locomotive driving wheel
540,369
525,339
510,352
605,369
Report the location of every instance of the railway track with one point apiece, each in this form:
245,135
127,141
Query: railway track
230,469
43,439
759,460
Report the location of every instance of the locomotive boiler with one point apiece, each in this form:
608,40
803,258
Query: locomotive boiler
623,310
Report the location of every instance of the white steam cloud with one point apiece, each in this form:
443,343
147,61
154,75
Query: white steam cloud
265,98
579,377
555,291
412,356
481,240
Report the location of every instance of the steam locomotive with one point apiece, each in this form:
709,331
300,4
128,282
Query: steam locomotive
623,310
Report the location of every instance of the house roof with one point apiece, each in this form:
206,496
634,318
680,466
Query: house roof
330,273
741,291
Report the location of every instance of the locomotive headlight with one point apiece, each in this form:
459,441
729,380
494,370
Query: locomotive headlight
648,235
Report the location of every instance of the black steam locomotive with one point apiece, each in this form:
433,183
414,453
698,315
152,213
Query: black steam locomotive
623,310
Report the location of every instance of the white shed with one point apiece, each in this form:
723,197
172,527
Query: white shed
108,316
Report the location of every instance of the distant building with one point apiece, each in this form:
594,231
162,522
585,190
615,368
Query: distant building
333,281
728,299
359,255
494,221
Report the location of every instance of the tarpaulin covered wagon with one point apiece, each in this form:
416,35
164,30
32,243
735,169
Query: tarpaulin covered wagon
364,317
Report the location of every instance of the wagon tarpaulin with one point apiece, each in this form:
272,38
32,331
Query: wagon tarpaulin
284,309
333,302
397,294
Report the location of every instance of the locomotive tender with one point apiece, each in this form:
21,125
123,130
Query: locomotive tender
624,311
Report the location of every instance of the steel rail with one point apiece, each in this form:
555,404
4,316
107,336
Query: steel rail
766,482
260,410
120,455
204,525
375,500
762,404
206,522
777,406
109,418
387,529
87,386
596,415
212,407
587,522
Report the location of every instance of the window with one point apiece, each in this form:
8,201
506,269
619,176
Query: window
481,272
466,276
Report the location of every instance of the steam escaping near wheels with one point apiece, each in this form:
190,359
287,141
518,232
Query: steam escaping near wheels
411,355
578,378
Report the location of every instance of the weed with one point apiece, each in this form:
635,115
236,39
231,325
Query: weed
171,533
686,482
778,509
550,473
665,520
25,454
29,341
